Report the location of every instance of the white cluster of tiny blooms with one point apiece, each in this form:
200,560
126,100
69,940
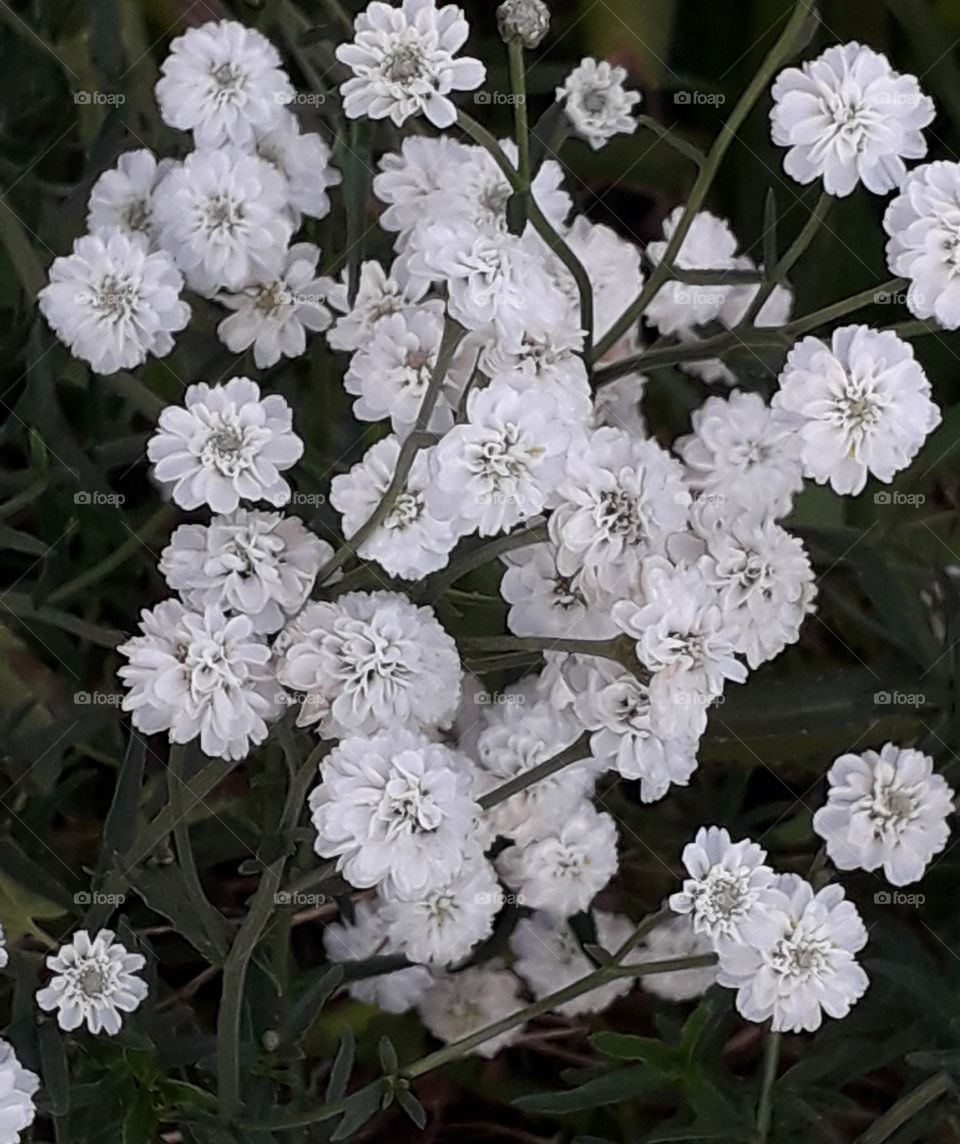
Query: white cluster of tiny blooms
676,556
218,223
787,948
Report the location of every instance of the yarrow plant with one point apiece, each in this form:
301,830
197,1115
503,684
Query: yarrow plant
466,654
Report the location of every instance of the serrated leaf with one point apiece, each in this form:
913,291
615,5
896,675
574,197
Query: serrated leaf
626,1047
165,890
623,1084
305,1009
20,908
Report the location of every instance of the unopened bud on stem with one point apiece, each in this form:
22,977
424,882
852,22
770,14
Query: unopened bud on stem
525,20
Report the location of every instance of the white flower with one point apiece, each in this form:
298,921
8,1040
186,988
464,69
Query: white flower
613,265
223,81
548,957
258,564
369,661
522,731
848,117
225,445
303,158
223,217
709,244
923,222
122,198
18,1087
615,706
860,405
397,809
729,891
409,177
274,312
441,926
396,992
390,375
502,466
805,966
671,940
742,452
411,542
765,582
563,870
887,809
465,1002
112,302
686,639
403,64
544,602
378,296
200,674
4,954
620,498
597,103
95,980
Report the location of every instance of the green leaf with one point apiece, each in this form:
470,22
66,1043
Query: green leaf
165,890
120,828
626,1047
140,1121
53,1064
359,1108
623,1084
388,1056
305,1009
412,1107
342,1065
20,909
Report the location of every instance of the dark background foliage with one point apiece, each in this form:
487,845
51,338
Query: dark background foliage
81,528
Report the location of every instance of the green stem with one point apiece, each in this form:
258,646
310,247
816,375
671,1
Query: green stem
518,86
906,1108
176,785
572,754
432,589
610,971
609,649
776,274
159,522
261,909
541,224
771,1061
418,439
758,85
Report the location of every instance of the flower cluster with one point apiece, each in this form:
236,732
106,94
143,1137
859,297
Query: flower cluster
652,573
218,223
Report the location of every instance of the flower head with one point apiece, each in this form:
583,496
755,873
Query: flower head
395,809
848,117
95,980
860,405
223,82
17,1089
112,302
597,103
226,445
461,1003
887,809
803,965
403,62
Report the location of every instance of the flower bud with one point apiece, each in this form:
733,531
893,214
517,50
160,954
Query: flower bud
525,20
